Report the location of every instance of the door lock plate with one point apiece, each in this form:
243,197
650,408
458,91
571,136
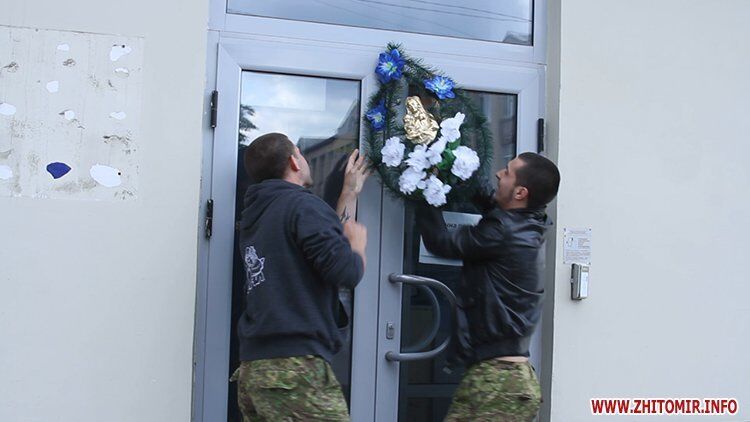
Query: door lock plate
390,331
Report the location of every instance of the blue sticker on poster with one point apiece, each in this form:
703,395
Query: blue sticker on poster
58,170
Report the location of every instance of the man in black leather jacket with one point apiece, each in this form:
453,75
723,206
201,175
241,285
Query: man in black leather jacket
501,290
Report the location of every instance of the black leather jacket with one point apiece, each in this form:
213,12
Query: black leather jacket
502,286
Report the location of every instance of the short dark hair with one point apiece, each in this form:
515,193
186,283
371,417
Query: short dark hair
540,177
267,157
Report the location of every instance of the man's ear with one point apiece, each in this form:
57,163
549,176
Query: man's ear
294,164
521,193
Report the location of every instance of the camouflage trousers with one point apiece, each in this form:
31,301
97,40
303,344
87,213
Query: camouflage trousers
289,389
496,390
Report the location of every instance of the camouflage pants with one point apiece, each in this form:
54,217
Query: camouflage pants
495,390
289,389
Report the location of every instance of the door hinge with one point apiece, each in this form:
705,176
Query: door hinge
209,218
540,135
214,108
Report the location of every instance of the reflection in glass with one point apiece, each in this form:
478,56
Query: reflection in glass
321,116
425,389
499,21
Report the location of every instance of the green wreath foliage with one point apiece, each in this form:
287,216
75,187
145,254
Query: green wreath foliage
475,132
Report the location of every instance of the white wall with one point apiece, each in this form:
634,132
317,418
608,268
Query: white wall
652,130
97,298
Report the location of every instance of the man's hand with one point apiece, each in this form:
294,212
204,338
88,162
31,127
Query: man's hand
357,235
355,174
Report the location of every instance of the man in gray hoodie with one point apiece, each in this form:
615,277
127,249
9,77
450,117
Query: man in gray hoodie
297,254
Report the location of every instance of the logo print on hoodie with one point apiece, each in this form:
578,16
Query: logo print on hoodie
253,268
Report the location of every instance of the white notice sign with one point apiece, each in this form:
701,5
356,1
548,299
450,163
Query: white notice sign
453,220
577,246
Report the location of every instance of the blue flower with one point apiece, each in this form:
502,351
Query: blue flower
390,66
376,116
442,87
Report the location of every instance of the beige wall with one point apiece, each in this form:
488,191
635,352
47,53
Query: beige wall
98,297
648,105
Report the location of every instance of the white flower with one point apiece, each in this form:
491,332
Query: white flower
410,180
454,122
467,162
393,152
435,153
419,158
449,127
450,134
435,191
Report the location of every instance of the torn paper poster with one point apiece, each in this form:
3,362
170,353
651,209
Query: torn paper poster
105,175
7,109
118,51
60,101
5,172
53,86
119,115
58,170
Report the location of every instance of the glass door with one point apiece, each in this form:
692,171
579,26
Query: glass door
321,116
266,86
414,383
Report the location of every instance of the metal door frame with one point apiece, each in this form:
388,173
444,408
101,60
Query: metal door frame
213,331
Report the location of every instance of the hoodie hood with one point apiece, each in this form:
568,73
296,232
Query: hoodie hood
260,196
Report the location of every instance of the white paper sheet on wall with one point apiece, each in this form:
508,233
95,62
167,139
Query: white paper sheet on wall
577,246
65,102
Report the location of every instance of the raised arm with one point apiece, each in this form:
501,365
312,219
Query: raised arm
355,174
479,242
321,237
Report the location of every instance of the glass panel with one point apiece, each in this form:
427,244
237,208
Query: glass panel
499,21
321,116
425,389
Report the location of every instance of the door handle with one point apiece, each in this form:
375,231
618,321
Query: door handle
427,339
442,288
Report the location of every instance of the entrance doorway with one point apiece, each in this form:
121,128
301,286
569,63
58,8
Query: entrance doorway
393,365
